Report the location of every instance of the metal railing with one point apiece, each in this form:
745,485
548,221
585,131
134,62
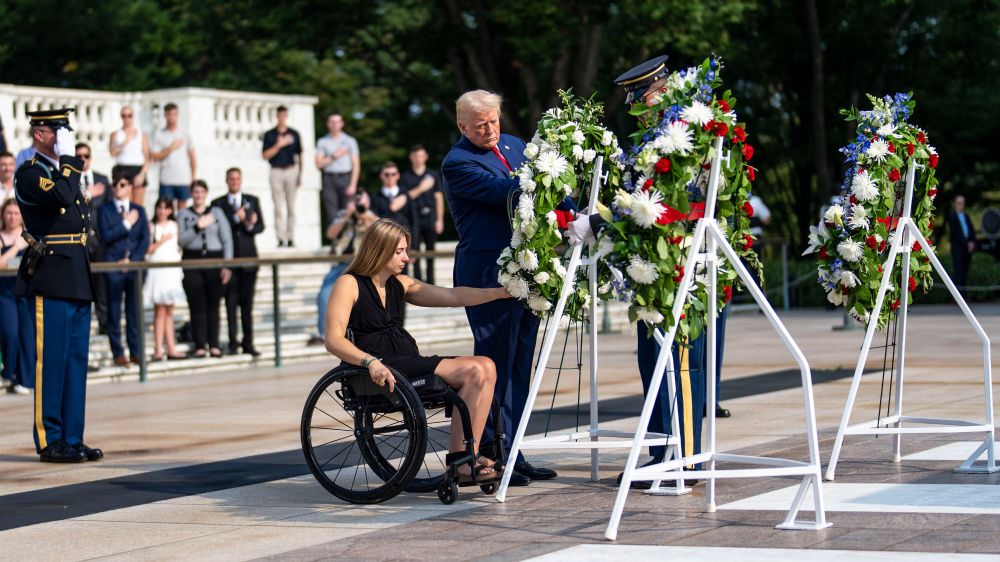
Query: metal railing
274,262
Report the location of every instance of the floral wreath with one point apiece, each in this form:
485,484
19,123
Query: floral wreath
663,194
561,156
852,238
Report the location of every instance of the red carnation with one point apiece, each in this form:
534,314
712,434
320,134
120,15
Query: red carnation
663,165
721,129
854,200
747,152
932,192
727,293
706,166
895,304
916,247
892,148
724,106
921,137
747,241
910,148
913,284
740,134
881,248
845,289
933,161
708,126
823,254
894,175
871,242
646,185
748,209
680,273
675,240
683,316
751,174
878,267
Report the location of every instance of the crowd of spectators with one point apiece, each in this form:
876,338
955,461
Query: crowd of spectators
187,224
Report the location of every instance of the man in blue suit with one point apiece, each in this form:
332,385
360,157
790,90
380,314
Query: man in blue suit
124,230
480,186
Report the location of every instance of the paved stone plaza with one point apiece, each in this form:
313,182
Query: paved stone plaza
209,467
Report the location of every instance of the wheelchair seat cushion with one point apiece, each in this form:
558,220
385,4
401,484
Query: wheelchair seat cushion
428,384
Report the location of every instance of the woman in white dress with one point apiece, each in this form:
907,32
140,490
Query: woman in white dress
164,286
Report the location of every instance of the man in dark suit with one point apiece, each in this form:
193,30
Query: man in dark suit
963,242
479,185
124,231
246,220
55,276
98,188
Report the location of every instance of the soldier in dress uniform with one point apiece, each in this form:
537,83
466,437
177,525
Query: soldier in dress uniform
55,276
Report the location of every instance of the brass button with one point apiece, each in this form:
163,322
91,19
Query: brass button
62,211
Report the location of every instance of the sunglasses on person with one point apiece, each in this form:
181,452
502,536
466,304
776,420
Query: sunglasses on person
390,174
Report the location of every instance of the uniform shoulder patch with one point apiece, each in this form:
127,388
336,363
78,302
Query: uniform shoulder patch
45,184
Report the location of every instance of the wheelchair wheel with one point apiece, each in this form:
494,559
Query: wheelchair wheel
448,492
489,489
348,422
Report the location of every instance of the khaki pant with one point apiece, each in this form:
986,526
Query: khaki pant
283,190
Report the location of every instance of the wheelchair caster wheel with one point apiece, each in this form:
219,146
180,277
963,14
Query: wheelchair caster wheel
448,493
489,489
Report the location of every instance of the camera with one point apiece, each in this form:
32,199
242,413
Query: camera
359,204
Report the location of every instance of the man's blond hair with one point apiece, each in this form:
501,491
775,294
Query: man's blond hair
477,101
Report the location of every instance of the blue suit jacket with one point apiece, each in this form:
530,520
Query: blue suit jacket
479,190
117,239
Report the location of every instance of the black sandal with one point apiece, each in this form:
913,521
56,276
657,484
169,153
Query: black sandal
455,460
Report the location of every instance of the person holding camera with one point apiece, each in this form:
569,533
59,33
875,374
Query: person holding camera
246,221
345,233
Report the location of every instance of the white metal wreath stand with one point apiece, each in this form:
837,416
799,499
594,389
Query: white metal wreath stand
902,245
707,229
590,439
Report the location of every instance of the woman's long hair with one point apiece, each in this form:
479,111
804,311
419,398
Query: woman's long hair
3,209
377,247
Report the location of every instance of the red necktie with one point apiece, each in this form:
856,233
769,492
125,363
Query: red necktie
496,150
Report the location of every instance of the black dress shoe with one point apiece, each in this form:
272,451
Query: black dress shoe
91,454
534,472
233,349
518,479
61,452
721,412
251,350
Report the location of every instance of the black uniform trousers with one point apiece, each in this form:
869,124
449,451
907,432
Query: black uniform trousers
204,290
239,295
424,234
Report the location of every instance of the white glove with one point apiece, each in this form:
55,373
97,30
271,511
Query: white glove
579,230
65,142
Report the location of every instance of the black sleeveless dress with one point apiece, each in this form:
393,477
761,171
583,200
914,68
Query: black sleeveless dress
378,330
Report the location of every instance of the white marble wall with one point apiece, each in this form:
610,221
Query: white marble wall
226,128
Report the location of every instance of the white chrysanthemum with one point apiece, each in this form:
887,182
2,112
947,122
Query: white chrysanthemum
577,152
515,239
589,155
848,279
607,138
578,137
835,215
542,277
649,315
878,150
538,303
503,278
641,271
860,318
528,259
697,112
526,207
513,267
551,163
886,130
517,287
835,297
863,188
530,150
677,138
850,250
646,208
859,218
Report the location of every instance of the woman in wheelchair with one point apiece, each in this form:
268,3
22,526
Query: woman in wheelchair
367,301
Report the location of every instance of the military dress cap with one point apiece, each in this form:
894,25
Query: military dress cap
54,118
638,79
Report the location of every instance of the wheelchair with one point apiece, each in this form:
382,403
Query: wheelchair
366,445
